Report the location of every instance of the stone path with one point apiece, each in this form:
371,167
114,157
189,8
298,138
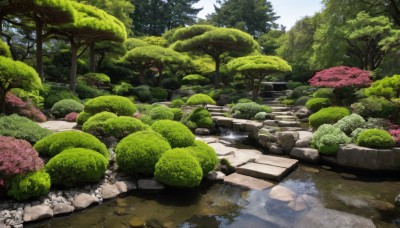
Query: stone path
58,126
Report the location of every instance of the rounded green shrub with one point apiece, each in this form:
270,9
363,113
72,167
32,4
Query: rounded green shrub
87,92
328,115
56,143
122,89
22,128
205,155
139,152
324,93
177,134
288,101
146,119
260,116
159,94
63,107
375,138
375,107
200,99
178,168
58,94
178,113
248,110
121,106
94,124
201,118
95,79
31,185
161,113
177,103
143,93
315,104
301,101
76,167
244,100
122,126
301,91
327,139
350,123
83,117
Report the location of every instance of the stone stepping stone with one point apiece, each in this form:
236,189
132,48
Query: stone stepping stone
58,125
277,161
282,113
222,150
207,139
262,171
242,156
285,123
217,114
285,117
279,109
247,182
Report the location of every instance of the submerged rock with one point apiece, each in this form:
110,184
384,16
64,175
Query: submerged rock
282,194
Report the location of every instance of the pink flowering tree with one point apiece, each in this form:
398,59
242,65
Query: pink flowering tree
342,79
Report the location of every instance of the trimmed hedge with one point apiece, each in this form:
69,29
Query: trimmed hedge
76,167
22,128
315,104
205,155
63,107
94,124
375,138
178,168
200,99
121,106
201,118
177,103
83,117
139,152
161,113
178,113
56,143
177,134
328,115
122,126
26,186
248,110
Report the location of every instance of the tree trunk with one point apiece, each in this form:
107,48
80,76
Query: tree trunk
160,76
39,48
72,77
92,62
141,77
2,101
217,65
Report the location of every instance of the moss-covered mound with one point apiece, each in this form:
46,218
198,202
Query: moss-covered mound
177,134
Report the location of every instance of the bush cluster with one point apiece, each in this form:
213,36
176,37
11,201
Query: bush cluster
324,93
94,124
316,104
122,89
248,110
122,126
143,93
205,155
83,117
327,139
350,123
178,168
177,134
375,107
375,138
56,143
95,79
200,99
57,94
63,107
328,115
178,113
121,106
301,101
161,113
86,91
261,116
200,118
76,167
22,128
159,94
177,103
31,185
14,105
71,117
140,151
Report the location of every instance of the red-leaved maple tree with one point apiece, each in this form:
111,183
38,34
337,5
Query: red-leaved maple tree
341,76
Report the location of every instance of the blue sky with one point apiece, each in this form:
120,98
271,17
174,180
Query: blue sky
289,10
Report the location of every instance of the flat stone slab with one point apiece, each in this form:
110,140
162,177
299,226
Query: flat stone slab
207,139
328,218
222,150
242,156
277,161
285,118
223,121
37,212
305,154
58,125
279,109
247,182
285,123
282,113
217,114
262,171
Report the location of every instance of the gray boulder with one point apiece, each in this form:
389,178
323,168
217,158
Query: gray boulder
37,212
83,200
305,154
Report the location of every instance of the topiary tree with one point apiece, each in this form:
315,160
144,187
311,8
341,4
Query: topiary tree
16,74
328,115
177,134
94,125
194,79
256,68
200,99
119,105
341,77
95,79
63,107
215,42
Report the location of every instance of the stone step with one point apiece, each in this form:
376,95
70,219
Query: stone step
287,163
248,182
223,150
217,114
280,109
282,113
285,117
272,104
262,171
284,123
215,109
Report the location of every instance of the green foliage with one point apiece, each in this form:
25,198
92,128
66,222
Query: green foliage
350,123
56,143
22,128
121,106
177,134
94,124
58,94
324,93
122,89
387,87
178,168
302,100
26,186
301,91
76,167
376,107
244,100
95,79
178,113
161,113
63,107
146,119
176,103
195,79
83,117
260,116
155,40
144,108
328,115
327,139
86,92
315,104
139,152
4,50
200,118
248,110
159,94
200,99
375,138
205,155
143,93
191,31
293,84
288,101
122,126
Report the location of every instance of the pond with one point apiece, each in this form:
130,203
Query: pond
222,205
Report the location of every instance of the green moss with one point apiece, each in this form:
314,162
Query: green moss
121,106
64,107
94,124
375,138
27,186
177,134
122,126
315,104
139,152
328,116
178,168
76,167
4,50
56,143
